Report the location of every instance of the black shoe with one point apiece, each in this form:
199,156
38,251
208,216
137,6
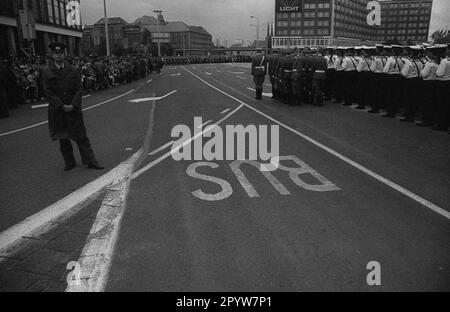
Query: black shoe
96,167
388,115
69,167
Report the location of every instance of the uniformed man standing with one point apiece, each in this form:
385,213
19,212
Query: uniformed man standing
62,87
273,60
318,68
259,72
413,83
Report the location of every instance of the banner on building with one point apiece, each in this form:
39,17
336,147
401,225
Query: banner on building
288,6
28,24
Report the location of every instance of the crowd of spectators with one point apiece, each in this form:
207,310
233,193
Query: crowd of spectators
21,79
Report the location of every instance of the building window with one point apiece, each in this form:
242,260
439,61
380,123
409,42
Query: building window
51,16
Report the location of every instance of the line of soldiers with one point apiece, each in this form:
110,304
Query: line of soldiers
411,79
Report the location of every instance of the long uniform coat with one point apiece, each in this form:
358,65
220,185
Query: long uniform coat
63,87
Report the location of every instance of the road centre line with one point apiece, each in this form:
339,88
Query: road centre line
188,141
85,109
204,124
152,98
159,149
389,183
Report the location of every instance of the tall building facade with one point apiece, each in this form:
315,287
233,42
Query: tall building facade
405,20
50,24
301,23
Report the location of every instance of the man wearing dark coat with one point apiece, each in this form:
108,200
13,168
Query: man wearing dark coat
62,87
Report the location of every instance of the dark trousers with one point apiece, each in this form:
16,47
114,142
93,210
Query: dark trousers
349,87
338,86
428,104
259,82
394,93
443,107
413,91
329,83
86,152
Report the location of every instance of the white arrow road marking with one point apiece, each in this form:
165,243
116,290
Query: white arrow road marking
174,75
156,151
265,94
151,98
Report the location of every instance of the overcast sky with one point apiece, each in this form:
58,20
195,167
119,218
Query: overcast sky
224,19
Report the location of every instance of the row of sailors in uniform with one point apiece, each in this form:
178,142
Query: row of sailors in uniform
415,78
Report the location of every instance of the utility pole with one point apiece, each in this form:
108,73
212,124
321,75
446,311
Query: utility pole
108,53
157,31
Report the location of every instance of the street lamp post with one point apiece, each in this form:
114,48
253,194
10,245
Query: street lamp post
157,31
257,30
108,53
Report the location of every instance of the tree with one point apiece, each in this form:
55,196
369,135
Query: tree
441,36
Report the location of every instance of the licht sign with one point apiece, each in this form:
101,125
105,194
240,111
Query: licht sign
289,5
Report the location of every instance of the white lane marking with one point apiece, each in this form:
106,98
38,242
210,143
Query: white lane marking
225,110
159,149
236,73
219,71
209,74
59,208
148,81
204,124
39,106
188,141
243,78
152,98
265,94
393,185
174,75
46,104
97,253
96,257
129,149
45,122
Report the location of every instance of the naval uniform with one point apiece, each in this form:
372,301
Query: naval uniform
443,95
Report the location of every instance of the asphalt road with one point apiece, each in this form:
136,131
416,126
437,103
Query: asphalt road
314,224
